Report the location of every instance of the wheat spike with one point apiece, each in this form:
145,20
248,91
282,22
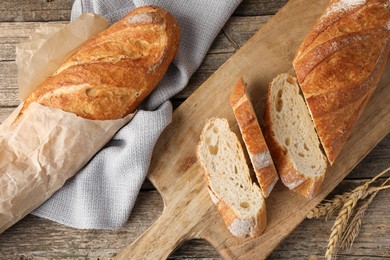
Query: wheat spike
354,225
329,207
341,223
344,216
342,220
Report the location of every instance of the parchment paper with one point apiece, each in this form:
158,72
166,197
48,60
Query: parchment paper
45,146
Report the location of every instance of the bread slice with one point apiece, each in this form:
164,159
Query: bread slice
238,199
293,141
253,138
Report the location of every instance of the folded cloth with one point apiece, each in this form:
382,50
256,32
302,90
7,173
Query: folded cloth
103,193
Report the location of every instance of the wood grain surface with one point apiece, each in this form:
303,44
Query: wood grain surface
189,212
36,238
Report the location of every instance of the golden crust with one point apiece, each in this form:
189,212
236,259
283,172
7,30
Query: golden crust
108,76
339,65
253,138
310,187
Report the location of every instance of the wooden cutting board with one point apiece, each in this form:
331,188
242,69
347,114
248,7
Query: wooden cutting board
188,210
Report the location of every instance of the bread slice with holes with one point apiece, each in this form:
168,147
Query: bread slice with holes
292,139
253,138
237,198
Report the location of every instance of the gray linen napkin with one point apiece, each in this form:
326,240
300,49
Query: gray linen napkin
102,194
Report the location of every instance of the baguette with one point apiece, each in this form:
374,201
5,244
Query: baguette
292,139
108,76
231,189
253,138
339,65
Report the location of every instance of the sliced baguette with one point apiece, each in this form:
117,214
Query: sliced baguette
339,65
237,198
253,138
293,141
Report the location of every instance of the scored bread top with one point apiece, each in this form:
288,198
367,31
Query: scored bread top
253,138
109,75
239,200
291,136
339,65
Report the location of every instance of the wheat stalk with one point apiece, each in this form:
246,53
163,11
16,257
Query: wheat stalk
354,225
353,228
329,207
344,215
346,212
341,223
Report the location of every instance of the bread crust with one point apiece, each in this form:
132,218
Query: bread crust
253,227
108,76
339,65
253,138
310,187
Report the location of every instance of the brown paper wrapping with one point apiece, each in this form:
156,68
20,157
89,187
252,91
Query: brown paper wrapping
45,146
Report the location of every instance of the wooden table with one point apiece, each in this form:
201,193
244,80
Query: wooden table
36,238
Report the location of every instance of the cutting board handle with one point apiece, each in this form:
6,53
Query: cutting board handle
185,216
158,242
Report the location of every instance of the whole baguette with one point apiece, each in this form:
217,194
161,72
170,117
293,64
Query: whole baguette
108,76
253,138
339,65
